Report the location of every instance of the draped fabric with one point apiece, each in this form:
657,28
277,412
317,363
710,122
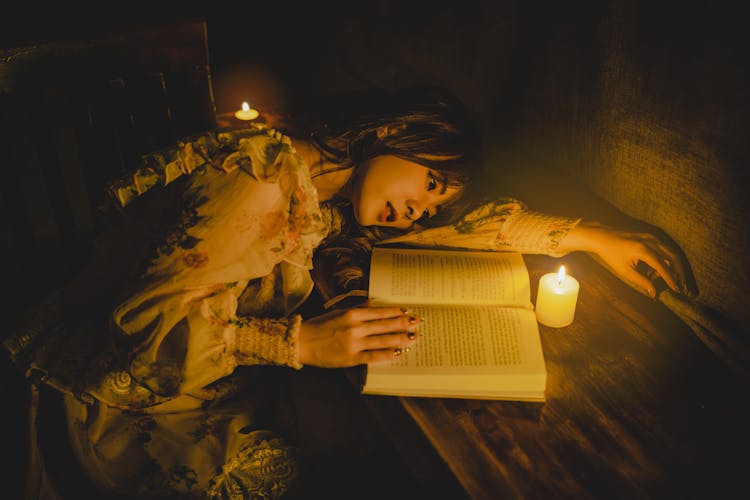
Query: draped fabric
219,292
163,402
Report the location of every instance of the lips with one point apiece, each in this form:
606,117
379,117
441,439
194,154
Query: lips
392,215
388,214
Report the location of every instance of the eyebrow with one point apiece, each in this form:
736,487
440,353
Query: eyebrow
443,180
443,189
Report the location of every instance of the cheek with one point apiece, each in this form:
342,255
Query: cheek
363,207
365,195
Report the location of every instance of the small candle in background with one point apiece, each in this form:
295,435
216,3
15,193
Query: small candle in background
246,113
556,299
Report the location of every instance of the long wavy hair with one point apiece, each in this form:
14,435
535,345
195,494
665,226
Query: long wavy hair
427,125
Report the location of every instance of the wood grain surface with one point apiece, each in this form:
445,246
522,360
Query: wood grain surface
635,407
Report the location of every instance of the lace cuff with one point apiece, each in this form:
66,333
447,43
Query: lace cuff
267,341
536,233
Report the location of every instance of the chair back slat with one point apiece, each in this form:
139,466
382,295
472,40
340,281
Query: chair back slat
75,115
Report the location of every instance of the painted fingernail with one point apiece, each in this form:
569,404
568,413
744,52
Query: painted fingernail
404,310
411,335
688,290
413,320
397,351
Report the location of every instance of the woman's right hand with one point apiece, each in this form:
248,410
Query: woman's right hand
622,250
359,335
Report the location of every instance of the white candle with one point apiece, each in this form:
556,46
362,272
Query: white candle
556,299
246,113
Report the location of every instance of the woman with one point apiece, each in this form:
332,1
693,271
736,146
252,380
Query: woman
170,407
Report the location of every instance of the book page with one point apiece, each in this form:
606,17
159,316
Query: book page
406,275
460,337
467,351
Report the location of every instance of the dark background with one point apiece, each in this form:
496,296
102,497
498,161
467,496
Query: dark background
548,81
497,55
492,53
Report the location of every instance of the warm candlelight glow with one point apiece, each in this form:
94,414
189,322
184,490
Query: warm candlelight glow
556,299
560,276
246,113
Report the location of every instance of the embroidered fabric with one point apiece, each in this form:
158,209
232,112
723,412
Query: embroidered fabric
165,166
264,468
250,221
268,340
502,224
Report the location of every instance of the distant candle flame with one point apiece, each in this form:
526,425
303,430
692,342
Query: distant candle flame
245,106
561,276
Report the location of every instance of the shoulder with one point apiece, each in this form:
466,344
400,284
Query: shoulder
257,150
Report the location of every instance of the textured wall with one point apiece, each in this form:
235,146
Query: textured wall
645,102
647,105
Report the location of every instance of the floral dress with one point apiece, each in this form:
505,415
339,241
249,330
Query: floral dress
219,292
166,405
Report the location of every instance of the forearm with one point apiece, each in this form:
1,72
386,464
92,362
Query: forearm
622,251
501,225
587,236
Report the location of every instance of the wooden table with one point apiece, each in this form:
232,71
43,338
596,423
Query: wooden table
636,406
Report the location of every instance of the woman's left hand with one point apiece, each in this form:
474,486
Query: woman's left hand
622,251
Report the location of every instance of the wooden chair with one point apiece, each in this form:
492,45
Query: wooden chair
75,114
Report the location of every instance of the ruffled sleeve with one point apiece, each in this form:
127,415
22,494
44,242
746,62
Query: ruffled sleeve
250,214
503,224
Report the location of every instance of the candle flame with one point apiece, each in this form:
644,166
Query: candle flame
245,106
561,276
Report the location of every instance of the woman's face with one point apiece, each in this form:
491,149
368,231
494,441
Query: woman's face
392,192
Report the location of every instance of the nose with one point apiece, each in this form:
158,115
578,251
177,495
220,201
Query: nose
415,207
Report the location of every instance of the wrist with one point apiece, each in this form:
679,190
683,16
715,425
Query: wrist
585,237
303,351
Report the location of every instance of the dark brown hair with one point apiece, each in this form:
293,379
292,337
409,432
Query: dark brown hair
425,124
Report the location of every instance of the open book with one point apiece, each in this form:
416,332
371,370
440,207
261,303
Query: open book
479,338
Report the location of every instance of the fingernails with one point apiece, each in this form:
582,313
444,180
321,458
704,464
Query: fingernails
411,335
398,351
413,320
405,310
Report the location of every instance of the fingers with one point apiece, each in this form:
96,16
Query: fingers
380,326
666,263
639,281
379,356
357,335
372,313
678,267
364,321
391,340
659,264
